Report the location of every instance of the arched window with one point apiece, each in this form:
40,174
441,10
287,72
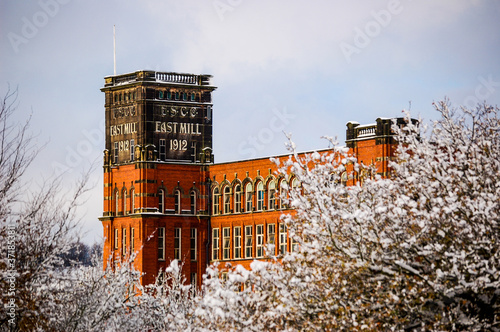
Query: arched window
248,197
177,203
260,196
343,178
227,199
216,197
124,199
132,200
283,189
161,201
237,198
295,183
193,201
117,201
271,195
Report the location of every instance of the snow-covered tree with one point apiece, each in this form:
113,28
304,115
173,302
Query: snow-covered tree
419,250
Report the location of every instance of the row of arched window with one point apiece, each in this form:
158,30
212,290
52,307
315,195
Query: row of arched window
250,196
126,207
168,95
124,96
177,201
127,204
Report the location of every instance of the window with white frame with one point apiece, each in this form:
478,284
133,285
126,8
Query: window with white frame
132,200
177,203
132,240
282,238
271,195
116,153
227,199
216,199
177,243
161,201
248,197
237,242
226,243
124,241
283,189
116,238
192,197
161,243
271,233
294,245
259,245
215,244
117,202
124,199
248,241
260,196
194,244
132,148
163,149
237,198
194,278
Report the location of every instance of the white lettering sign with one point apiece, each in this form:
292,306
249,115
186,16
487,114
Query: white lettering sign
178,128
123,129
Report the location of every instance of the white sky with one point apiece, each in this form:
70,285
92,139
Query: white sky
323,63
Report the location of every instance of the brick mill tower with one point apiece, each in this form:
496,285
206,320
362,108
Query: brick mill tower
156,180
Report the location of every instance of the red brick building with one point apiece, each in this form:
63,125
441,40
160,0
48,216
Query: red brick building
165,198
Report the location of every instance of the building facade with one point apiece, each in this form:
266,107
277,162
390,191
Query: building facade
165,198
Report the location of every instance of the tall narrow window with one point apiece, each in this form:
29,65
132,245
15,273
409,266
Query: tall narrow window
237,242
117,202
116,238
193,202
343,178
124,241
283,237
161,243
283,188
116,153
248,241
177,204
177,243
192,97
132,200
294,245
194,278
161,201
248,197
295,183
237,198
194,244
227,199
226,242
132,149
259,246
124,200
215,244
271,195
132,241
271,233
216,198
260,196
163,149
